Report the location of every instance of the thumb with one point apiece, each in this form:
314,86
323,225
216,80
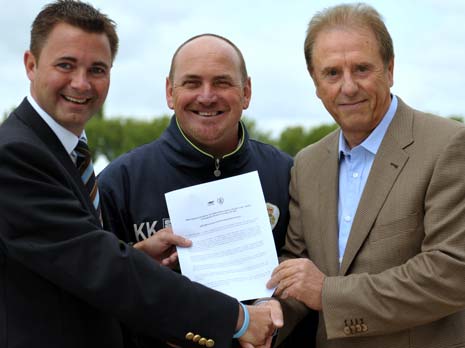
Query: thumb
174,239
246,344
276,314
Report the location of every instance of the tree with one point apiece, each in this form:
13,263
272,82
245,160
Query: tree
255,133
458,118
293,139
115,136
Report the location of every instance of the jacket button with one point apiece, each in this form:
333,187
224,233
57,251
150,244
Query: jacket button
202,341
364,328
210,343
347,330
189,336
196,338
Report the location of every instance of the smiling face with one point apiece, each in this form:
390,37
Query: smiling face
208,94
71,77
351,80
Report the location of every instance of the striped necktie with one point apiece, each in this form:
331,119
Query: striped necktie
86,170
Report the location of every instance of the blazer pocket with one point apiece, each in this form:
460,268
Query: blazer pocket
394,228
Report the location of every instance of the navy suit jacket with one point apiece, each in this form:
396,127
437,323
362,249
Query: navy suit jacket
65,282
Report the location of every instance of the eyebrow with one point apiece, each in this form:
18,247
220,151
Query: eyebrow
74,60
198,77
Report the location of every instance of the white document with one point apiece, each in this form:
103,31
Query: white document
232,243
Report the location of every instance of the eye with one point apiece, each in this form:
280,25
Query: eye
64,66
332,72
98,70
362,69
191,83
223,83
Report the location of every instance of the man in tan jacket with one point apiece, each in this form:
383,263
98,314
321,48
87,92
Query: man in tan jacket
376,241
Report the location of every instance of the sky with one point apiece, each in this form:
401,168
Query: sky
428,36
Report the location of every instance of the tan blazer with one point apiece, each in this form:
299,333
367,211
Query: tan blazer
402,278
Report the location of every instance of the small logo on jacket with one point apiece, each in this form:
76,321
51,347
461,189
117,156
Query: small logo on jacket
273,214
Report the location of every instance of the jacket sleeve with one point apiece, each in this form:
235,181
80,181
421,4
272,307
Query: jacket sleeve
45,227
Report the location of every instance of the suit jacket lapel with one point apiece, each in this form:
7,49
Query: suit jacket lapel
29,116
328,198
388,164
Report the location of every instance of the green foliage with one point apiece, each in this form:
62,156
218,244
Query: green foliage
115,136
293,139
6,114
255,133
456,118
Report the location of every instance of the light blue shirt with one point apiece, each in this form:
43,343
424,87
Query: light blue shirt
354,168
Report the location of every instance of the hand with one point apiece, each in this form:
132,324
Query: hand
300,279
161,246
264,319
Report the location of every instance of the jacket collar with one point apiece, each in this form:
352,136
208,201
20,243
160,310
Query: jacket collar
184,155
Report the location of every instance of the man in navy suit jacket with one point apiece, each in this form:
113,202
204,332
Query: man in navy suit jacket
64,281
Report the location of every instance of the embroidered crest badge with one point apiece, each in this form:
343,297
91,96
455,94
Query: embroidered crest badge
273,214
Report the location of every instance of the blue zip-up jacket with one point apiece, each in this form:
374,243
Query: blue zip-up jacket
133,187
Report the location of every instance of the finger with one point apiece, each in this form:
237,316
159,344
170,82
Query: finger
246,344
268,342
279,274
281,286
170,260
275,280
276,314
283,266
175,239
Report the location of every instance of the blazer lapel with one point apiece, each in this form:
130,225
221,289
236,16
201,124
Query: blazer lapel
328,198
388,164
29,116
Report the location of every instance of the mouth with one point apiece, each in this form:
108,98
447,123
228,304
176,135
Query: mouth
207,113
352,104
79,101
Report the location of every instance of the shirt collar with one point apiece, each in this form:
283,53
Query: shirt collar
373,142
67,138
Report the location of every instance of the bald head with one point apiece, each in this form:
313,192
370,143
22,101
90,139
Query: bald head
208,44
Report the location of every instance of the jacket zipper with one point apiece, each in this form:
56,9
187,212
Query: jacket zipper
217,171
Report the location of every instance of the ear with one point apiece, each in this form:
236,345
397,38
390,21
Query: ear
390,72
30,63
315,83
247,90
169,93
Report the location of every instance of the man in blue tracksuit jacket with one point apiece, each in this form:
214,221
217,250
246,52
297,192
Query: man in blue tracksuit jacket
208,87
133,187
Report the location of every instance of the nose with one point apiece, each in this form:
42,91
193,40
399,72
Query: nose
349,85
207,95
80,81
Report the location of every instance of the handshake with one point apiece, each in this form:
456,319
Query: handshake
257,324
